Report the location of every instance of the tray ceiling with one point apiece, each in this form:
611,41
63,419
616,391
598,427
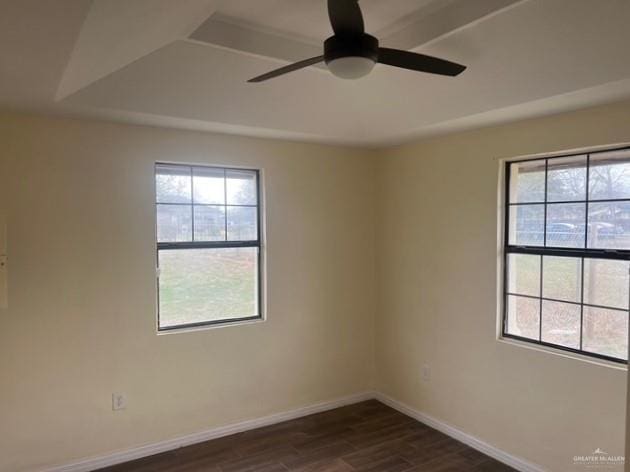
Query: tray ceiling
185,64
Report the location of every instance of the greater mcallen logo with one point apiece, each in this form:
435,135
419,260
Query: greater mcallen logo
599,458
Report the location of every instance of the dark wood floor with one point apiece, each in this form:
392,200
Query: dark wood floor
368,436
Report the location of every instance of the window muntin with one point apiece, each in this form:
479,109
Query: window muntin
567,253
208,245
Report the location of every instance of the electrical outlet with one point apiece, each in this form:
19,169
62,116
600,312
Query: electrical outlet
426,373
119,401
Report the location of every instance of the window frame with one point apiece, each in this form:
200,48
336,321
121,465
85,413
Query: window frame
581,253
188,245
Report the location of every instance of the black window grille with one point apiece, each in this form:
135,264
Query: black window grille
567,252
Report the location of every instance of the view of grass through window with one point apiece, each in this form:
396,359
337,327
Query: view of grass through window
567,258
208,245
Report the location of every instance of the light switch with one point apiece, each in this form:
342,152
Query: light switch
4,264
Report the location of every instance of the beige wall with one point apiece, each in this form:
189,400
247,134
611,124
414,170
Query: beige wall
437,280
405,238
81,317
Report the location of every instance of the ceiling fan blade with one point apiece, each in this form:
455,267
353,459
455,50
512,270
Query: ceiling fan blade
286,69
346,17
418,62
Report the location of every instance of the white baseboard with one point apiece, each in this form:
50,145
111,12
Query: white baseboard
89,464
515,462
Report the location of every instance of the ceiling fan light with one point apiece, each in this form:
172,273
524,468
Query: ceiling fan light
351,67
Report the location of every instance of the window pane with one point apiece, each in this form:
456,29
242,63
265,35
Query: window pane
172,184
524,274
566,179
527,225
562,278
609,175
174,223
523,317
209,185
242,223
606,283
527,182
209,223
606,332
585,301
241,187
202,285
561,324
609,225
565,225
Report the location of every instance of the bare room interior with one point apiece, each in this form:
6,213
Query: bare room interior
314,235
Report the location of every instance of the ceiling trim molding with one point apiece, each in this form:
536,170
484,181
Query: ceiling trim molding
240,36
426,27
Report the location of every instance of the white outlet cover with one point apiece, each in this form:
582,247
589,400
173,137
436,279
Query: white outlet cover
426,373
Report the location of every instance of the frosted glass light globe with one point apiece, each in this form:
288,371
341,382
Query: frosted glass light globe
353,67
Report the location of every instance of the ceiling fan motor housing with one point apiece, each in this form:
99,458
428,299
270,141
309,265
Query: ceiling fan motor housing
337,47
352,54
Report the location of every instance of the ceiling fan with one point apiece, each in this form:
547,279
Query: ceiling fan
351,53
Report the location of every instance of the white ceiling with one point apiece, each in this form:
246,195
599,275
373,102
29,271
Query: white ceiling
309,18
186,63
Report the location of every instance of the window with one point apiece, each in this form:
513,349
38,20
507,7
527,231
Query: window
567,253
208,245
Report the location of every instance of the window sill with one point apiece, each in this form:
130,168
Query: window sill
206,327
565,354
